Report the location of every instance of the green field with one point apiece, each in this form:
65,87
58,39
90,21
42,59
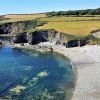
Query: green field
69,19
72,25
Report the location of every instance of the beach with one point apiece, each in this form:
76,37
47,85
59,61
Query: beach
86,61
86,65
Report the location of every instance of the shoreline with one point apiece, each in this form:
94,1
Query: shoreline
85,63
39,47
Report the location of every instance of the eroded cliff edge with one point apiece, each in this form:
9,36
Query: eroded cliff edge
26,32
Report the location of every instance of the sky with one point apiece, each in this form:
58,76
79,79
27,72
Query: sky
38,6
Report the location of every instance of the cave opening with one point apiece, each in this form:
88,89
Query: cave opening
1,31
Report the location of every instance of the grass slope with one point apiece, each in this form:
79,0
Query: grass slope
81,26
21,17
72,25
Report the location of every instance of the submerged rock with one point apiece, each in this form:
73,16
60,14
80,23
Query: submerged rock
42,74
18,89
35,78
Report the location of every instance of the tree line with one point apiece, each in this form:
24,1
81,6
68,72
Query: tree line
75,12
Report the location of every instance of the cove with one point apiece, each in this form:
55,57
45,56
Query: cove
26,75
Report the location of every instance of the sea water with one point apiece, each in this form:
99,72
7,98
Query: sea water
26,75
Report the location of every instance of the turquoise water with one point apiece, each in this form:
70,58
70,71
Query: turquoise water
28,75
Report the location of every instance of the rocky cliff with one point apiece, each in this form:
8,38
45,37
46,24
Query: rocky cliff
18,27
21,34
40,36
45,36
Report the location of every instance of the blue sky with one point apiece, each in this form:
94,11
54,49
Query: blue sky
33,6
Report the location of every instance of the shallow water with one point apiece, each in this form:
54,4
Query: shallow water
28,75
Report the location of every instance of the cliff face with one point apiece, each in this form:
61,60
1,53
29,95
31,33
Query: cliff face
40,36
18,27
10,28
47,35
21,35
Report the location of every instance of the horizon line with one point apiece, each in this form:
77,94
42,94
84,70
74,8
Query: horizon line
31,13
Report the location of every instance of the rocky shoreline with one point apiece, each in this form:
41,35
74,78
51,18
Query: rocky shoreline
42,47
84,60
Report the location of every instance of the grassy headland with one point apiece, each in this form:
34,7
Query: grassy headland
72,25
76,24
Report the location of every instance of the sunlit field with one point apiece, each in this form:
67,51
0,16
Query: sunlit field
72,25
22,17
67,19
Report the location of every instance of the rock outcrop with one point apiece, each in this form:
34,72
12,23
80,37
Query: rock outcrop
75,43
20,38
21,34
45,36
10,28
40,36
18,27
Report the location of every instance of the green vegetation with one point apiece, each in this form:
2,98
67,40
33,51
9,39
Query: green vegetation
2,18
69,19
72,25
21,17
75,12
76,37
75,27
93,40
24,26
30,25
76,24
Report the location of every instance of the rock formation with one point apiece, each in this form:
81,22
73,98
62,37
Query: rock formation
40,36
20,34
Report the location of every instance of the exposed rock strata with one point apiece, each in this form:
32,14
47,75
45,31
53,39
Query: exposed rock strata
18,27
37,36
45,36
